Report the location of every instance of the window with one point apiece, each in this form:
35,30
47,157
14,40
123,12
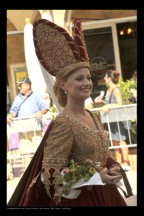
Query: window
101,53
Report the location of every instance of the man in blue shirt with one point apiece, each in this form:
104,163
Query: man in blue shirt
27,104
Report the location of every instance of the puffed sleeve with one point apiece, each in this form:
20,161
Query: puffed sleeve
56,153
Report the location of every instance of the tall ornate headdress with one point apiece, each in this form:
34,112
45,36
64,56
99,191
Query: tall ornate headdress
56,50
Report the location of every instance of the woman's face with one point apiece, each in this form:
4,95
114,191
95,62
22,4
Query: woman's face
107,79
79,84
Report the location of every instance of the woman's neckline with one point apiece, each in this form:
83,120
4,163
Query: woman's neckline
67,116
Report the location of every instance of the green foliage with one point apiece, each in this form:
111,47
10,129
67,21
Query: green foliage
134,130
134,126
125,88
77,172
53,109
72,175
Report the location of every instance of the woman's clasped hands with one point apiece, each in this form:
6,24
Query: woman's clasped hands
111,176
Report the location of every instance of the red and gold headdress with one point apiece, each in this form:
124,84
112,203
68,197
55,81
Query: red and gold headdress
56,50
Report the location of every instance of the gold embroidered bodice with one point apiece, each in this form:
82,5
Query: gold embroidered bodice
69,137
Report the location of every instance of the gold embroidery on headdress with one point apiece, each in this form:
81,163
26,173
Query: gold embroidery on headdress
56,50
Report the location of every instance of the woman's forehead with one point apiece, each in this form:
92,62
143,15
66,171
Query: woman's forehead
81,71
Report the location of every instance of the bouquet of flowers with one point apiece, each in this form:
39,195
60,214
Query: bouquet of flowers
73,174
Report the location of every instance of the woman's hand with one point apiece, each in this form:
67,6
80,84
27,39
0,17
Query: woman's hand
99,100
110,176
106,108
115,170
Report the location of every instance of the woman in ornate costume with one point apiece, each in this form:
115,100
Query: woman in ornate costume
75,135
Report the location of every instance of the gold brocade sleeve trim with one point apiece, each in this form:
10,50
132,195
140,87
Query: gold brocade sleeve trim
52,176
52,173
